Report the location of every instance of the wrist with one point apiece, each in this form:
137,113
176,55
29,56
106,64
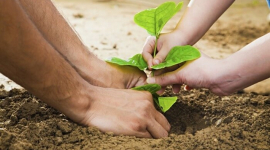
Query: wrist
225,79
183,37
103,74
78,103
95,72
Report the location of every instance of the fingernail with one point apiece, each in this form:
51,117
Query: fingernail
150,80
169,126
156,61
185,88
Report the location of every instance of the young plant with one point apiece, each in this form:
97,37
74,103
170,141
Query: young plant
153,20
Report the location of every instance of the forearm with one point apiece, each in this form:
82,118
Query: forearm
199,17
248,66
63,38
28,59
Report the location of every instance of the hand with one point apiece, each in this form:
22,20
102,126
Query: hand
122,111
164,44
200,73
103,74
124,77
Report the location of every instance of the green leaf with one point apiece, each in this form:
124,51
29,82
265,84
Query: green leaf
177,55
165,103
153,20
152,88
155,98
136,61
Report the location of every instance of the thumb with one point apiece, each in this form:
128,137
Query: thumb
161,55
165,79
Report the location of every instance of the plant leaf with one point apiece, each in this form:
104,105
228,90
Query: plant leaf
136,61
165,103
155,98
177,55
152,88
153,20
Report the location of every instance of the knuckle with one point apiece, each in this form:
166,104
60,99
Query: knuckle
144,115
162,78
149,38
146,105
137,126
178,78
148,95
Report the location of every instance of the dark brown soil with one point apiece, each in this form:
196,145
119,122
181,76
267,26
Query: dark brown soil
200,120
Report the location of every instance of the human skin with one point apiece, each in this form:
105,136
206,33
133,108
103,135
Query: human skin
51,24
40,66
197,19
249,65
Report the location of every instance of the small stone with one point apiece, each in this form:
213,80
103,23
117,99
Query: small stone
218,122
78,15
225,98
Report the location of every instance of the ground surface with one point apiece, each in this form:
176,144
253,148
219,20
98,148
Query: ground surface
200,120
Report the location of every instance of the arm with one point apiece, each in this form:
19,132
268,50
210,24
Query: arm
223,77
198,18
74,51
196,21
245,67
31,61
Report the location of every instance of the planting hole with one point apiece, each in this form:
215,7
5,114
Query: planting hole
188,120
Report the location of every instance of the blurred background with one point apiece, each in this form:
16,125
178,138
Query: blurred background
107,28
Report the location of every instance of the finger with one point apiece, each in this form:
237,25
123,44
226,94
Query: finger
161,91
163,121
165,79
176,88
167,69
160,56
156,130
145,134
141,134
148,50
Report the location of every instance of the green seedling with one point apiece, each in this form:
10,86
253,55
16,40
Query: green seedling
153,20
164,103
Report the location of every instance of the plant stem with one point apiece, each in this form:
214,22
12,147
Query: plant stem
155,51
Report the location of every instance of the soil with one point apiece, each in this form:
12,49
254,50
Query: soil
199,119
